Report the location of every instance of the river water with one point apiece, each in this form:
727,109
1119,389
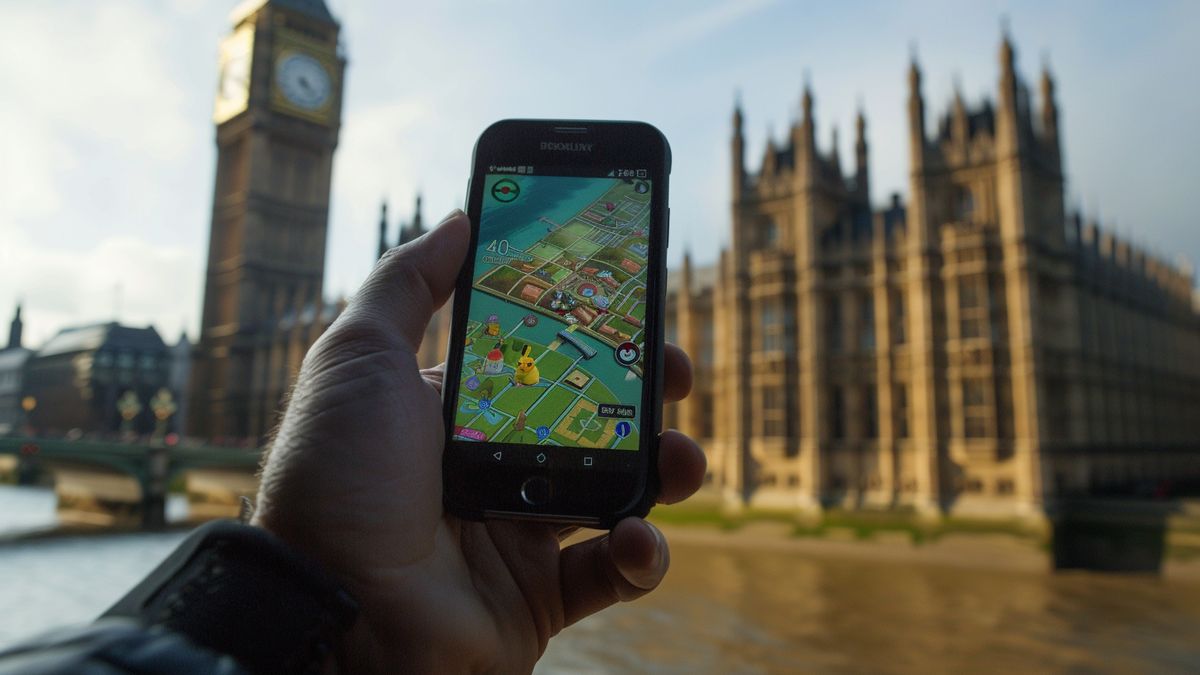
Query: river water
726,609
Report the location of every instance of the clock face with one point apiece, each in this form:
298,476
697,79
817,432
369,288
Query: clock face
303,80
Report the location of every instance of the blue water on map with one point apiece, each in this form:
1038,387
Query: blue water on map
554,197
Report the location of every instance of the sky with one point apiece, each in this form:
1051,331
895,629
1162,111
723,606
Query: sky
107,151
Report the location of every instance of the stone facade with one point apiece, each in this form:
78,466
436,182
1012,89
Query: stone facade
977,350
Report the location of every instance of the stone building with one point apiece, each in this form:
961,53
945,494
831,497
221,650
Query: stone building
975,350
84,377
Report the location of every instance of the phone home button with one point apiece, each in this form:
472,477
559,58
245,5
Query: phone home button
536,490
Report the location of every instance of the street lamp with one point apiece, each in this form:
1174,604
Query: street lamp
163,405
129,407
28,403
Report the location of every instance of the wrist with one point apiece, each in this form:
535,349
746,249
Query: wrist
239,590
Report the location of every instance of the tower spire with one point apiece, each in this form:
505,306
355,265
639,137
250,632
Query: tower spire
804,137
860,154
738,149
383,246
418,227
1049,106
15,329
686,272
916,112
806,101
834,153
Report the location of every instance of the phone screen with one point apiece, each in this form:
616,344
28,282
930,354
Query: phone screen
555,336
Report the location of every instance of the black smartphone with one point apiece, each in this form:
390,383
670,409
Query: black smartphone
554,371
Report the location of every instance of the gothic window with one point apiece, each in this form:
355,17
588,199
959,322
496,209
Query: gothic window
866,323
837,414
706,415
976,408
900,410
833,324
770,233
706,344
775,322
774,420
872,411
973,306
898,336
964,204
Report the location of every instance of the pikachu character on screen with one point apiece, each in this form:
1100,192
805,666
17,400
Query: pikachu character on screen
527,373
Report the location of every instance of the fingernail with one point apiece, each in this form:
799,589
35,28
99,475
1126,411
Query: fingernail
450,216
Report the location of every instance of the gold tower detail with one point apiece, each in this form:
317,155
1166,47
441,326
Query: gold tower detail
976,350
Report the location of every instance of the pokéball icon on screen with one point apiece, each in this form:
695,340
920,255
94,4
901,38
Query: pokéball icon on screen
627,354
505,190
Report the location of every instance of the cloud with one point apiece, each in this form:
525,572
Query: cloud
101,85
679,32
121,277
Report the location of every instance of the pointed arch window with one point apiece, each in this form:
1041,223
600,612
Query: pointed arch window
964,204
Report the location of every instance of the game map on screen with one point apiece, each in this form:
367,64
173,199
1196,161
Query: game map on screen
554,335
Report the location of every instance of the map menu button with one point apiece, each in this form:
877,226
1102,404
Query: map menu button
616,410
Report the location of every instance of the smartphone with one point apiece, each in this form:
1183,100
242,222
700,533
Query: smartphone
554,370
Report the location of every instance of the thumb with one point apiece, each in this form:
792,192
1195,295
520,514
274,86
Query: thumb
412,281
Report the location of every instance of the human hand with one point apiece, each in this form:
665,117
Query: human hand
353,479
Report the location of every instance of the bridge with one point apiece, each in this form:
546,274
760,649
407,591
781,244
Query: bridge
153,466
575,342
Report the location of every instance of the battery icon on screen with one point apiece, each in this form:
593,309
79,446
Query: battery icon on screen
641,173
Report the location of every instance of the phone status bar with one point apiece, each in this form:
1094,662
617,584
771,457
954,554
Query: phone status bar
583,171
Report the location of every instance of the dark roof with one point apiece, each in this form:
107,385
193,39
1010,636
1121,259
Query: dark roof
13,358
110,335
314,8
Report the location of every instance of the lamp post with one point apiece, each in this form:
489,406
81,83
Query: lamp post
129,407
28,404
163,405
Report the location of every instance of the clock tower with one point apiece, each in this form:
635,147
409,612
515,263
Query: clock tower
277,114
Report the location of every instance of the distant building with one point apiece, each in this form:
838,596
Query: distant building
12,377
977,350
179,377
80,374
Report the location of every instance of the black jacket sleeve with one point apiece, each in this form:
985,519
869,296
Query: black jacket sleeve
231,596
111,647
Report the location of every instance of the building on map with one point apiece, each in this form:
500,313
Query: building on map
976,350
493,363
